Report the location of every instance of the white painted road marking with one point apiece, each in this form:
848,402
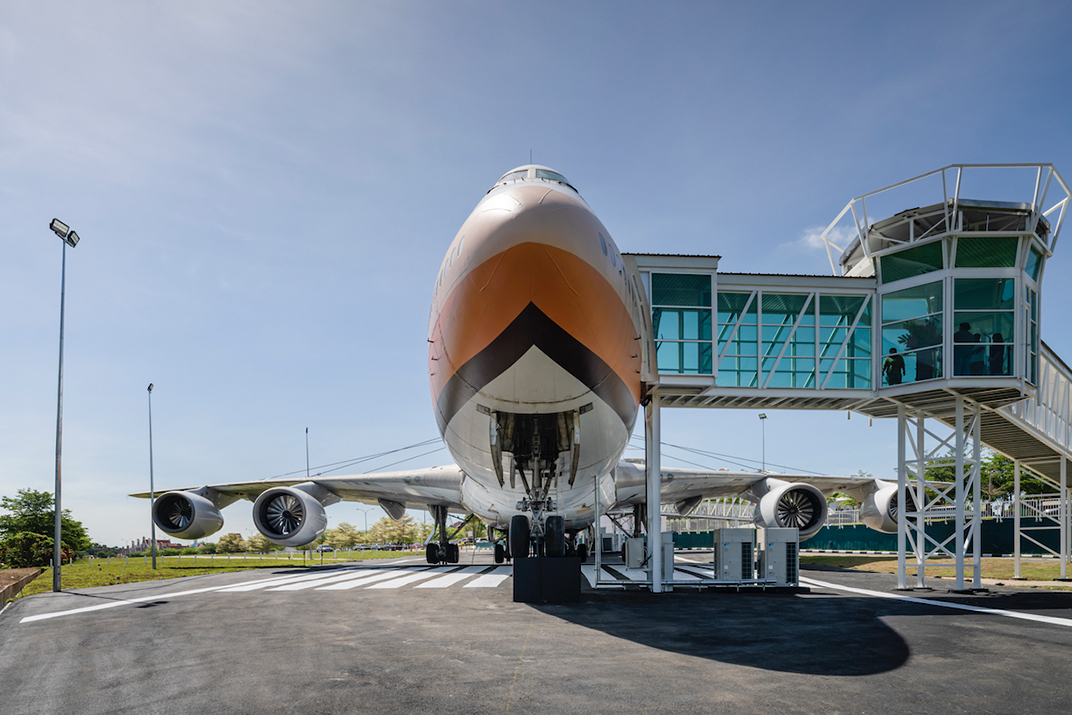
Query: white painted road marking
1053,620
354,583
491,580
452,578
414,577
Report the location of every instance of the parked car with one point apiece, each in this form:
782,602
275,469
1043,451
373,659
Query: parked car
324,548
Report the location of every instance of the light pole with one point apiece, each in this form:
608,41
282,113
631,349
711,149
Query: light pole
763,423
70,238
152,495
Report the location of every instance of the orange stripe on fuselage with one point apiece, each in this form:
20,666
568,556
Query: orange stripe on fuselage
566,288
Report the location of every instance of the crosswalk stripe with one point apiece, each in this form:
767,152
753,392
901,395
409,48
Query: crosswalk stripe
491,580
354,583
452,578
414,577
267,583
324,579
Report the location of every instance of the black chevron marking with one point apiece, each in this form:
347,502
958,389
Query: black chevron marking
533,328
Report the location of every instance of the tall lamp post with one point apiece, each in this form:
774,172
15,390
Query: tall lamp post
763,423
70,238
152,495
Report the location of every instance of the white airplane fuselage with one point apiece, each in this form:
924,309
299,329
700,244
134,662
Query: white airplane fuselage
534,345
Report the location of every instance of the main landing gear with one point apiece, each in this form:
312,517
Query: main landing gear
554,542
441,551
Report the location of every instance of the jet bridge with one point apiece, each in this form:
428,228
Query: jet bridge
931,318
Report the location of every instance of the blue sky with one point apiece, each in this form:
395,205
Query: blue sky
265,191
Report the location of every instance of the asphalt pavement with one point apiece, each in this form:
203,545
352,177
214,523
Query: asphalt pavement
397,637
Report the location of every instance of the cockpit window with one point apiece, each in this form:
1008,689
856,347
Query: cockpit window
552,175
515,176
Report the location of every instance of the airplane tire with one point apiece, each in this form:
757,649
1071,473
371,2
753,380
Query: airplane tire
500,553
431,553
555,536
582,552
453,553
519,536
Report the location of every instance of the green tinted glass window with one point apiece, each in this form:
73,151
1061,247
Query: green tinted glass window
840,309
730,306
911,262
912,302
1034,264
679,289
986,252
983,293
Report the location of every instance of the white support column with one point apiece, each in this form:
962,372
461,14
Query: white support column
652,443
1063,510
921,500
902,482
977,505
960,494
1016,518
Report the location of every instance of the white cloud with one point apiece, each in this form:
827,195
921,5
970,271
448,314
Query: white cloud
811,239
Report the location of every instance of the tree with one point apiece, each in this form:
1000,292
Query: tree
260,543
344,536
231,544
35,512
26,549
389,531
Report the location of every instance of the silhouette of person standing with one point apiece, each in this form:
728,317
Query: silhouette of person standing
893,367
961,351
997,355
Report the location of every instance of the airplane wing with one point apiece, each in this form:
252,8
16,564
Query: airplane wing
682,485
434,486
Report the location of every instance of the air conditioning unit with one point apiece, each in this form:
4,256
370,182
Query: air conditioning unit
634,552
779,555
734,550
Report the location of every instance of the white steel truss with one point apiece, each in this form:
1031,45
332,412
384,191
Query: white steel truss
1042,205
921,451
1052,508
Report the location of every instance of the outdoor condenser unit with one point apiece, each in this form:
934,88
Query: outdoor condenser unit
734,554
779,556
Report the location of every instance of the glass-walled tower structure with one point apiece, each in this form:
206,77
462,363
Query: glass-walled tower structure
957,293
958,297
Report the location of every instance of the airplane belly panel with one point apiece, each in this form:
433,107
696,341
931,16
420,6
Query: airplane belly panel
536,384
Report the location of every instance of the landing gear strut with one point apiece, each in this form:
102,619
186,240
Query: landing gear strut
440,551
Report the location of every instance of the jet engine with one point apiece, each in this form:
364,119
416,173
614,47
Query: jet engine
791,505
186,515
879,509
293,516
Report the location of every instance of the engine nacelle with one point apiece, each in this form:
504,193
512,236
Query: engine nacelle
791,505
289,516
186,515
879,509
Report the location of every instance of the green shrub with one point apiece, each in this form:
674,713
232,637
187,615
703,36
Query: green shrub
25,550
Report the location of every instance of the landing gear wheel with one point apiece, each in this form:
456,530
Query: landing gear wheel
500,553
519,536
582,552
453,554
431,553
555,536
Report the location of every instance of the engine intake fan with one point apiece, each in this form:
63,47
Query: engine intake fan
186,515
791,505
292,516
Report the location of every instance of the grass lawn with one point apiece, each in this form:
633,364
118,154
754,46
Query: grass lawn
86,573
992,568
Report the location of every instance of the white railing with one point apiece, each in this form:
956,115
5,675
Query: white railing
1050,414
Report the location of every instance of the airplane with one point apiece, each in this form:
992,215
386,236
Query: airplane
535,338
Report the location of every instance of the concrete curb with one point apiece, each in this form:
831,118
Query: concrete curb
14,589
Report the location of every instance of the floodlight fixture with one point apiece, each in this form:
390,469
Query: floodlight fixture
72,239
60,228
762,415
